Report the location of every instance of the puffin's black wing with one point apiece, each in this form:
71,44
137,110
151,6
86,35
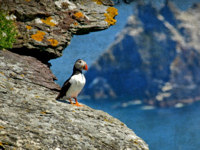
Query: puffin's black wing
64,89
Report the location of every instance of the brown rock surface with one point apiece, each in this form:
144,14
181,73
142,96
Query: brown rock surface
28,69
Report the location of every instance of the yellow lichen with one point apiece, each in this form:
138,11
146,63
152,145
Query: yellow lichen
79,15
43,112
37,96
99,2
29,89
38,36
53,42
28,0
48,21
75,23
111,13
2,73
1,127
28,27
108,120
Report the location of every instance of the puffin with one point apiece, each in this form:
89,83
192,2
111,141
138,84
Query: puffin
73,86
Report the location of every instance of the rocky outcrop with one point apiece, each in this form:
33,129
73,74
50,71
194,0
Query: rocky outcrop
156,58
28,69
46,27
31,118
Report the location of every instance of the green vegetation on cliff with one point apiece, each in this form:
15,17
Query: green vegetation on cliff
8,31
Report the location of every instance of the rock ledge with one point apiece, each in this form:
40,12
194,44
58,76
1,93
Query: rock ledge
31,118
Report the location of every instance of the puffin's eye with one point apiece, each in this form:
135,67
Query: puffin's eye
79,62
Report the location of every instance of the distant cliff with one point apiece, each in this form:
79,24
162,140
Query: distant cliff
30,117
155,58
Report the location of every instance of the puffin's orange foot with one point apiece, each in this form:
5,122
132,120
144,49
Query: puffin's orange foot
78,105
70,101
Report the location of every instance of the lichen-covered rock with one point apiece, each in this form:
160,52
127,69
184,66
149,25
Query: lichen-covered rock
156,58
32,119
46,27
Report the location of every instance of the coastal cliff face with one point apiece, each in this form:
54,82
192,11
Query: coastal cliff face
30,117
155,58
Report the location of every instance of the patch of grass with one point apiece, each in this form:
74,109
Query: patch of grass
8,31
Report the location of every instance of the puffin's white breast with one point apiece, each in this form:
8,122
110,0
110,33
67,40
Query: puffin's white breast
77,84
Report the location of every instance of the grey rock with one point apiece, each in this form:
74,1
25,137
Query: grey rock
32,119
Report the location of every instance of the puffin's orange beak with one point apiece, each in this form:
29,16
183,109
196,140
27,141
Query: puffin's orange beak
85,67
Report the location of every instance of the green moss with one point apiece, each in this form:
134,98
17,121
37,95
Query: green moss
8,32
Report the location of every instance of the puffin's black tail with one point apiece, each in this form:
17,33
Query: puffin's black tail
58,97
61,94
63,90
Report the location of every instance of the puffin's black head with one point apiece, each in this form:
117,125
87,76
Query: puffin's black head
80,65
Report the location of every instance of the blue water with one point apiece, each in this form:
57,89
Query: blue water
162,129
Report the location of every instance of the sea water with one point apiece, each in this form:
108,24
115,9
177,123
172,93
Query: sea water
161,128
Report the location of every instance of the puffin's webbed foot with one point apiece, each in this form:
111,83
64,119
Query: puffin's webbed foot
77,104
70,100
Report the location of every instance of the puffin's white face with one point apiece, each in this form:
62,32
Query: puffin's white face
80,65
